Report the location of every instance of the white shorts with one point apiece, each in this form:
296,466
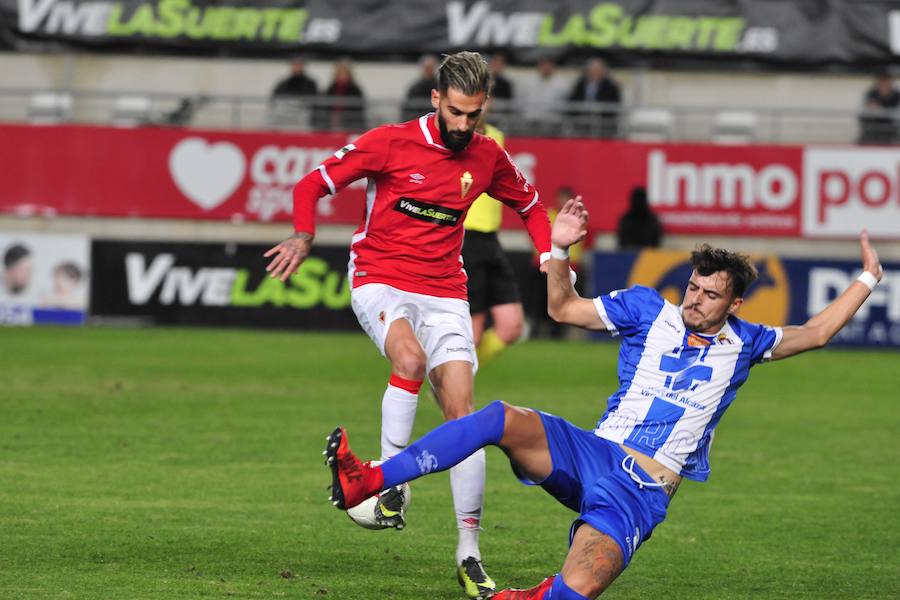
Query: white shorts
442,325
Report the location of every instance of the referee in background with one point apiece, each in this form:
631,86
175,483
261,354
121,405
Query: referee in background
492,283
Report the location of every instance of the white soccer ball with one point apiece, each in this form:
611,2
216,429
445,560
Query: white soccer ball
363,514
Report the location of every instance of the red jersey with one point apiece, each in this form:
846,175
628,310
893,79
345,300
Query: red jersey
418,195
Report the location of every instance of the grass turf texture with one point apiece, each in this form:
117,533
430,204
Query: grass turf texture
186,463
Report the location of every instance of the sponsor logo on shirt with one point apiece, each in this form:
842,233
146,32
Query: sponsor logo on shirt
343,151
416,178
428,212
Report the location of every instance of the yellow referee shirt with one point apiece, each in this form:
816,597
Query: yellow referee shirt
486,213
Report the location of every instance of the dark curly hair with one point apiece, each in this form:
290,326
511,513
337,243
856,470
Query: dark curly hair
741,272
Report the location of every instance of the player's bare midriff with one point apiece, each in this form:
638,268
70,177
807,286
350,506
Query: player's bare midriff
660,474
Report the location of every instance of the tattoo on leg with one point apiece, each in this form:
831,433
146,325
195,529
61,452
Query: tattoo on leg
600,556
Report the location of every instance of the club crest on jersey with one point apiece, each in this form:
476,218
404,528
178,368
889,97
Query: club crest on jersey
723,338
465,183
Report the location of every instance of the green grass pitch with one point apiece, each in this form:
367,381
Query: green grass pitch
186,463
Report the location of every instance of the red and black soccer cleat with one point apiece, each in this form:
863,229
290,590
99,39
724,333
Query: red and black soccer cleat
352,480
535,593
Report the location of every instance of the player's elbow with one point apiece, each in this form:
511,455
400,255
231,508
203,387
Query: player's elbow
559,311
817,337
821,339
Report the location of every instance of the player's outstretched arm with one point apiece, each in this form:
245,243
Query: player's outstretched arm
564,304
816,332
289,255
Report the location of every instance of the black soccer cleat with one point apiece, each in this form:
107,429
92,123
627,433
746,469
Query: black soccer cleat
474,581
390,510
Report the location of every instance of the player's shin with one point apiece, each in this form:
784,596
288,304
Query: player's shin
467,485
447,445
398,413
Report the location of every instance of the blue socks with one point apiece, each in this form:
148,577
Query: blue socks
560,591
446,445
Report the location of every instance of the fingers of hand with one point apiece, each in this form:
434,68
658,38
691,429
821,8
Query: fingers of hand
275,262
290,268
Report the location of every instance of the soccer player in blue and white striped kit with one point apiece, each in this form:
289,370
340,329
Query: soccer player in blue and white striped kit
679,370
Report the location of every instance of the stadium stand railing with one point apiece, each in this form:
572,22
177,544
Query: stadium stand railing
645,122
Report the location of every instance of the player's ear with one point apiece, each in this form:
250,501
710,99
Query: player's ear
435,99
735,305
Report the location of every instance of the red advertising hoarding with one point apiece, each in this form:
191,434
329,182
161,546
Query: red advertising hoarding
225,175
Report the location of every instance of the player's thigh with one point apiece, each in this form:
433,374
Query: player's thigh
593,563
453,385
525,443
508,321
404,351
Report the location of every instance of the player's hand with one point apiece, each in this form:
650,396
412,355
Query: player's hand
289,255
870,257
570,225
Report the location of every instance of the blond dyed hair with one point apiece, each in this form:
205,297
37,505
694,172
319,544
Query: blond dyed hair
467,72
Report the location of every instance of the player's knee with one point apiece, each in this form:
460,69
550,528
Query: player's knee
410,364
455,408
509,331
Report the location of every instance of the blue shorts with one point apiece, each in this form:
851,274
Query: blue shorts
588,477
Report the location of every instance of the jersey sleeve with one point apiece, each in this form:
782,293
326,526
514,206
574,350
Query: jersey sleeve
366,156
624,311
510,187
764,339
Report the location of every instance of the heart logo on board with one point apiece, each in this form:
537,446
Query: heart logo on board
207,174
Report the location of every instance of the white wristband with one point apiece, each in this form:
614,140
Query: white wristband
545,256
868,280
559,253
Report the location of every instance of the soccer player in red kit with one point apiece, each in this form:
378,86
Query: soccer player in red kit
406,273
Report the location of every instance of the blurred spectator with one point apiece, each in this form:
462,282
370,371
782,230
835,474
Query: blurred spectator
599,96
639,227
292,97
503,89
17,268
297,84
418,96
541,323
183,114
877,126
542,97
343,107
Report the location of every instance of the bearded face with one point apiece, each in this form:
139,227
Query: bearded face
457,116
455,140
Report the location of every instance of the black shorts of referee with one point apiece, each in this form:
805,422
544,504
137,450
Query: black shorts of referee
491,278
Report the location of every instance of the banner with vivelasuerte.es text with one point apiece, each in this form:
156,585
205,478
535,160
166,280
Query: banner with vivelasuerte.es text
693,32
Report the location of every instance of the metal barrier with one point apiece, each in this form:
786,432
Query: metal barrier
593,120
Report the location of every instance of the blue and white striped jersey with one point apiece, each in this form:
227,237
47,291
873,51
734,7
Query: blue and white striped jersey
674,385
